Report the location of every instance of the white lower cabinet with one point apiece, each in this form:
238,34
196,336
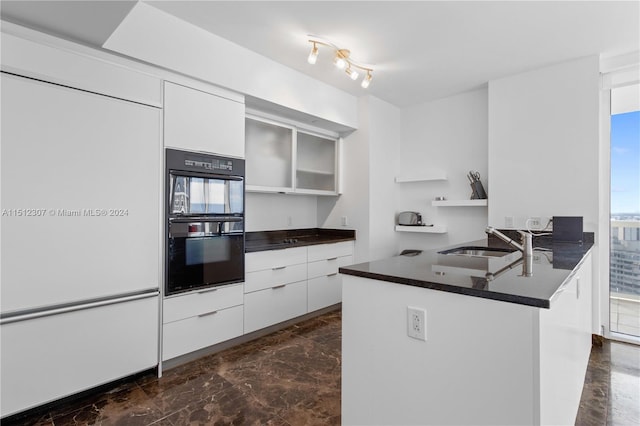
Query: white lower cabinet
274,305
284,284
275,287
324,291
325,284
199,319
193,333
260,280
51,357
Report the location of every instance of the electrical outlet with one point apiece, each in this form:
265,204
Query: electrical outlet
535,222
289,221
417,323
344,221
508,222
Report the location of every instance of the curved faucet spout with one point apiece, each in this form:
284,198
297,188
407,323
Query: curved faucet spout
526,247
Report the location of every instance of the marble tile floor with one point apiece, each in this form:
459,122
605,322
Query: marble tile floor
292,377
611,392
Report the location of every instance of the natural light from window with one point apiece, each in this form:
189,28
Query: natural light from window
625,211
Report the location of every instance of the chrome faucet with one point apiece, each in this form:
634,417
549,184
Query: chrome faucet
526,246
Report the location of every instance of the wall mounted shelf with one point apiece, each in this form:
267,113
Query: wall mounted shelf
459,203
422,178
436,229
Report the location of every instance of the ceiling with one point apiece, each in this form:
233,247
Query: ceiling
419,50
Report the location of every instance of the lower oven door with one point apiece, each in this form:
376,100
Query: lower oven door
204,253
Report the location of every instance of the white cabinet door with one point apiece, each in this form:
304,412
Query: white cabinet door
190,334
48,358
273,305
324,291
325,284
330,251
259,280
281,158
88,168
270,147
317,164
201,302
198,121
274,259
565,345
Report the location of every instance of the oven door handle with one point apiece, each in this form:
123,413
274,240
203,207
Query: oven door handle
216,176
189,219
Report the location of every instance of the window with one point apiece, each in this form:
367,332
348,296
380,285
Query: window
624,271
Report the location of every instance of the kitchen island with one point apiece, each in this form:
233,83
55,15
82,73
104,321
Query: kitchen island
500,348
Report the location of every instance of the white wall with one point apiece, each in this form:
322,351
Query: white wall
544,150
543,143
353,204
157,37
368,198
450,136
266,212
385,131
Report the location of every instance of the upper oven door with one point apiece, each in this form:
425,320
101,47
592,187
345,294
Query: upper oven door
204,194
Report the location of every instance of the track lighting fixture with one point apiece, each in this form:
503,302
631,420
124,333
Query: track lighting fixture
342,60
313,56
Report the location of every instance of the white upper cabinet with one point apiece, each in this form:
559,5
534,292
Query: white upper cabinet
269,163
282,158
316,164
195,120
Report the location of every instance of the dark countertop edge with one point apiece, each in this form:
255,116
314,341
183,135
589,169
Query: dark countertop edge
503,297
466,291
564,283
257,241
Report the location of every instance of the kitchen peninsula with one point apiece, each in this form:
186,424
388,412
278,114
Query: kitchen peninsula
501,347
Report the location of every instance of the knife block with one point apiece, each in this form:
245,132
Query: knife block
477,191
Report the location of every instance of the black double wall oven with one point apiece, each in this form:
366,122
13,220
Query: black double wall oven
205,221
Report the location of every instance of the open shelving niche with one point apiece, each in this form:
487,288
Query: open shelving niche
432,177
427,177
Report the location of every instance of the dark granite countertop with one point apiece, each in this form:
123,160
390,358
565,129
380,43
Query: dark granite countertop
275,240
497,279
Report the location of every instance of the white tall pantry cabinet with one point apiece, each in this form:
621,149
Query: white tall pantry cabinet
80,174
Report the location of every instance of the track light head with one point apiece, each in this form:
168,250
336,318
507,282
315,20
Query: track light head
366,81
341,60
313,56
352,73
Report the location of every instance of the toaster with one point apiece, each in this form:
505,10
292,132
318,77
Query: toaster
410,219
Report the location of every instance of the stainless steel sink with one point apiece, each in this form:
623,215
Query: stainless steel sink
488,252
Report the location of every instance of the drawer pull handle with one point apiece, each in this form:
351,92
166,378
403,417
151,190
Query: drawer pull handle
207,314
209,290
333,258
277,268
331,275
278,286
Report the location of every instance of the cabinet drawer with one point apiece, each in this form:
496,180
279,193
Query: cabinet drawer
328,251
268,278
328,266
51,357
191,334
273,305
324,291
261,260
197,303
